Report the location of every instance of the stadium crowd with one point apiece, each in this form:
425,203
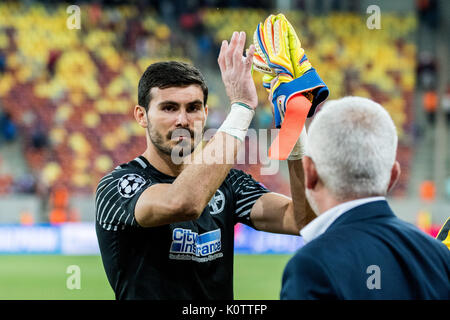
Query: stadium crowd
70,93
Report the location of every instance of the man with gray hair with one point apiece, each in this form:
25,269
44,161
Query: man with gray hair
356,248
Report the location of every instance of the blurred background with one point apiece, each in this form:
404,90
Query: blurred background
67,97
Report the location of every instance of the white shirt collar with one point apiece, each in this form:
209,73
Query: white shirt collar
320,224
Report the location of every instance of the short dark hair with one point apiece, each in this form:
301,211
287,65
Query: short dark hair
169,74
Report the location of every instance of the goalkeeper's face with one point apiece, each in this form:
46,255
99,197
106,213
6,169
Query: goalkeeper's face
176,118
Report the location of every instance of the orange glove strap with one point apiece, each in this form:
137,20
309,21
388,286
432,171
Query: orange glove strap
294,120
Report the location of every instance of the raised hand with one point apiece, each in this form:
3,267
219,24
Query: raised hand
236,70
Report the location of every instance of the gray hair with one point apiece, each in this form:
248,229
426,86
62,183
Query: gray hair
353,143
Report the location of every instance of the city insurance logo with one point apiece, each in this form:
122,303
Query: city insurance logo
189,245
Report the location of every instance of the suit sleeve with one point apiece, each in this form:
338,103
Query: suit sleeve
305,278
116,197
246,191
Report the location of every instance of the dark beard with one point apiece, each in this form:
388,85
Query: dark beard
182,149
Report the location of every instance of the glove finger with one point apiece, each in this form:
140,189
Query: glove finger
278,112
276,115
282,78
265,38
299,60
266,34
260,62
272,45
281,44
260,65
258,40
267,81
270,36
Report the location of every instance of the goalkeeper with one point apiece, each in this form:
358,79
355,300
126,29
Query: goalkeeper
166,228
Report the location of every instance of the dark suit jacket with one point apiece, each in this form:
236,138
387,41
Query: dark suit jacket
342,262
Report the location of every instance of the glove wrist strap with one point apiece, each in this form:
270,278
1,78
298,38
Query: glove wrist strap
308,82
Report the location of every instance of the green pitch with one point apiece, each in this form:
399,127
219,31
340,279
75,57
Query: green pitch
257,277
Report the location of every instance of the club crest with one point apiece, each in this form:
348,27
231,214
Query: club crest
217,203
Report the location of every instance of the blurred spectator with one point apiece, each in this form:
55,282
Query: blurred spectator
430,103
167,10
204,43
336,5
95,14
8,129
39,137
133,32
143,47
53,57
26,218
190,22
59,205
318,7
427,191
25,184
57,216
427,70
428,12
354,6
2,62
6,181
60,197
446,105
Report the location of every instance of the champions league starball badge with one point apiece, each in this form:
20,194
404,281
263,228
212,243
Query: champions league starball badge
129,184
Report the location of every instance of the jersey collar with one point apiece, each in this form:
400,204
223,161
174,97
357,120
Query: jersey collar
146,165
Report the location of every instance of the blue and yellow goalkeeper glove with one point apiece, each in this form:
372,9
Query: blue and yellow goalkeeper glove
297,88
279,54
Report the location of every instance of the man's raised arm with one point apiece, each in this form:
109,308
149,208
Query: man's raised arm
209,165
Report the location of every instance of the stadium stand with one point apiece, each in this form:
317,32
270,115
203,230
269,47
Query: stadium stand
76,130
71,93
381,68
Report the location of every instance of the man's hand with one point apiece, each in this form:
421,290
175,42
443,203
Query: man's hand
236,70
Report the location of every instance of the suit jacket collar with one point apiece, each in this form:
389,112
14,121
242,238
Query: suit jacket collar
368,211
320,224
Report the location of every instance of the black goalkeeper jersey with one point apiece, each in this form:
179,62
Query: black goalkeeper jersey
185,260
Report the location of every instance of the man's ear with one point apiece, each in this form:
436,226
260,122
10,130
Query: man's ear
309,169
141,116
395,175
